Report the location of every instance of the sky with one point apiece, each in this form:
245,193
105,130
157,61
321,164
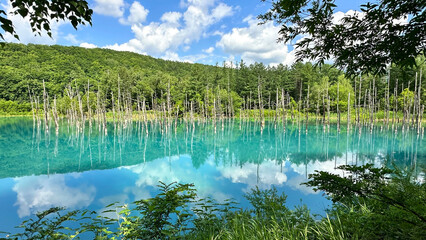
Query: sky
196,31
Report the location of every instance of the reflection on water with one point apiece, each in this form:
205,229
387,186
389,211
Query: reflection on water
25,150
39,193
41,170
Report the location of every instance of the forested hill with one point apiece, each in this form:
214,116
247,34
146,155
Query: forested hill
24,67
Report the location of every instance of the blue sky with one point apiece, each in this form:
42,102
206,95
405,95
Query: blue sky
202,31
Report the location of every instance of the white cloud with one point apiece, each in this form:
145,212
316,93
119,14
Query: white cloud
229,61
156,38
23,29
173,56
131,46
338,16
209,50
218,33
186,48
175,30
221,11
401,21
138,14
113,8
88,45
256,43
71,38
172,18
204,4
38,193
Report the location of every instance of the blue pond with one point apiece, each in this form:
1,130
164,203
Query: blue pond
89,169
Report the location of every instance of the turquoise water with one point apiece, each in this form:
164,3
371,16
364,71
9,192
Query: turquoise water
90,169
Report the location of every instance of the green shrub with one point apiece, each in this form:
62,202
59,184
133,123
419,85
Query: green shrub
11,107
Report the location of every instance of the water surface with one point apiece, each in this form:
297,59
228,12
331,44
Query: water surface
89,169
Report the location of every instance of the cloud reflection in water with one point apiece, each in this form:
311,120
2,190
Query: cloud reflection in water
38,193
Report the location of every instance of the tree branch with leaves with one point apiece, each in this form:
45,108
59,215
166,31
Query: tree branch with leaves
381,33
40,13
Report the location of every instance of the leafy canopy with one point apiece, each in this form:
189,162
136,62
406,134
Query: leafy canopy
383,32
42,12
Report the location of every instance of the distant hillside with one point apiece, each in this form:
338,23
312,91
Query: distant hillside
26,66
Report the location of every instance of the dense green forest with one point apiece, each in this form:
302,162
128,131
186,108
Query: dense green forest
109,73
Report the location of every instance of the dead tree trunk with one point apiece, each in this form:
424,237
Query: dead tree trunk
45,100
